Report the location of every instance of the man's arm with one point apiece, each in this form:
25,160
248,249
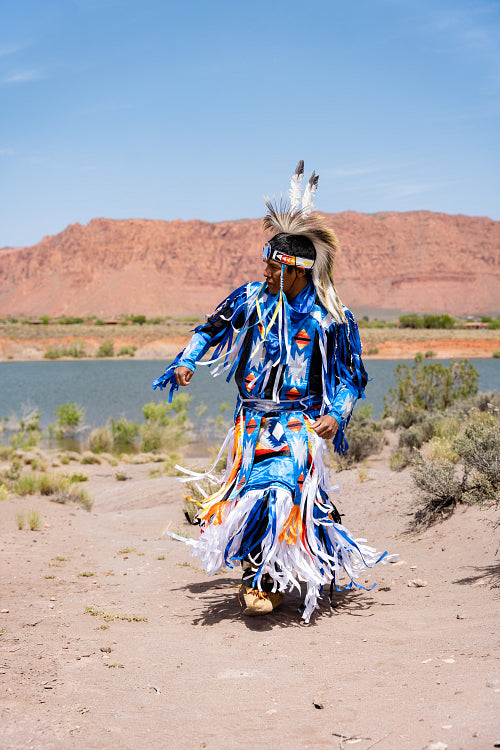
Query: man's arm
214,332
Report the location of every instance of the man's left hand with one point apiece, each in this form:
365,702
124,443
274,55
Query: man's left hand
325,426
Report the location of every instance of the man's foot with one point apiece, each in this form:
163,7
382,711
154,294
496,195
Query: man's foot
259,602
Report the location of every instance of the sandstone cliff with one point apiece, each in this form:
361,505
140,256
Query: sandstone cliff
418,261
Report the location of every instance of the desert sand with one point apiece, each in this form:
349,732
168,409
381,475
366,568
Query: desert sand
397,667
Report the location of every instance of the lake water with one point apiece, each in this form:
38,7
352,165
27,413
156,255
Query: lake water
115,389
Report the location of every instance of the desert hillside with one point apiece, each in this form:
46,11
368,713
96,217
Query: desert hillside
417,261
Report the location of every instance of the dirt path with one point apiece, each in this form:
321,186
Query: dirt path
395,668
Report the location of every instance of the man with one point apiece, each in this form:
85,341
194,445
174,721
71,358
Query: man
295,354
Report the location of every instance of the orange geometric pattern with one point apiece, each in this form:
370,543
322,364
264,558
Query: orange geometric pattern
251,426
294,424
302,339
292,394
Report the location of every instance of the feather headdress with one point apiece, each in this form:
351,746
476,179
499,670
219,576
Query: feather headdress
294,216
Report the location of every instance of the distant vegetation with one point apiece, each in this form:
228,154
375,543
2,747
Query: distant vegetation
417,321
67,320
407,320
413,320
106,349
365,322
75,350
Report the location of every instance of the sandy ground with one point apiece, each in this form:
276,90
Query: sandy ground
399,667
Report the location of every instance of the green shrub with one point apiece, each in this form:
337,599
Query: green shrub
78,476
476,479
412,320
52,353
124,433
166,426
101,440
45,320
13,472
6,452
479,448
138,319
440,447
440,486
400,459
152,437
428,386
69,418
75,350
106,349
417,434
364,435
438,321
26,485
67,320
127,351
51,484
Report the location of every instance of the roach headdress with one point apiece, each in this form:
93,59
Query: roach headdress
293,216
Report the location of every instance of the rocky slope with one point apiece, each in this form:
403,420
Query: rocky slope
417,261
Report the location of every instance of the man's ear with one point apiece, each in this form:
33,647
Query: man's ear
300,271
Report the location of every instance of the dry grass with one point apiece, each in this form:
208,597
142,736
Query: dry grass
109,616
59,487
34,519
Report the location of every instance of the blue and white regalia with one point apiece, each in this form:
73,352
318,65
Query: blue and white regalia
272,507
293,361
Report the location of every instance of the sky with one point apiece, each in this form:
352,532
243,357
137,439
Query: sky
196,110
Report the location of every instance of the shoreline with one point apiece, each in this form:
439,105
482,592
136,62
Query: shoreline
30,343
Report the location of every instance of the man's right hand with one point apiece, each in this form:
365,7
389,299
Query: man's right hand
183,375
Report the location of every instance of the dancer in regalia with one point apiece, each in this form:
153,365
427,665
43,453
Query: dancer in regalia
294,351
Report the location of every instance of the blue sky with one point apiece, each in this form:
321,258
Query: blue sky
196,109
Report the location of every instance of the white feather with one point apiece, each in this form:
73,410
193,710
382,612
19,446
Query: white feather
307,199
295,191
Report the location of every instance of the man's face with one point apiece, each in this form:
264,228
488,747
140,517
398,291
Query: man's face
272,274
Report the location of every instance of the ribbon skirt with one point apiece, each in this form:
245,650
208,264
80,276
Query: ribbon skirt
273,510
